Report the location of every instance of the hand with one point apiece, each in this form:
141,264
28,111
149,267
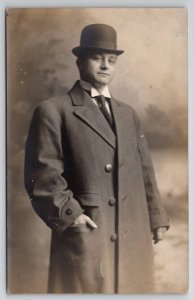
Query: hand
158,234
83,219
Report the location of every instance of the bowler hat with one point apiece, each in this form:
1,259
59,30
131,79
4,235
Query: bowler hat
97,36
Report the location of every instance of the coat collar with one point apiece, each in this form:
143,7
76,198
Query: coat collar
88,112
78,95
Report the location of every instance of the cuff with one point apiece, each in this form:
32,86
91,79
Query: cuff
70,212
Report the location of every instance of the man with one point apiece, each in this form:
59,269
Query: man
90,177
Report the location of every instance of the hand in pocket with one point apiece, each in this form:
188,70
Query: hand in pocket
83,219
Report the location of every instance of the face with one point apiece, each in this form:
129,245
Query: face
98,68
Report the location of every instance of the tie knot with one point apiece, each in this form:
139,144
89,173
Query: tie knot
101,100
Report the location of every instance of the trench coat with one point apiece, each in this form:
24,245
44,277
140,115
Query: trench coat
76,164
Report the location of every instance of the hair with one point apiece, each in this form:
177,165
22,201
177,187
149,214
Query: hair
83,56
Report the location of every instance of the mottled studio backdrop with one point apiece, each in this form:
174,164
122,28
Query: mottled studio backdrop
151,76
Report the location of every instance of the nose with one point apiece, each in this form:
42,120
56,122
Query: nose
104,64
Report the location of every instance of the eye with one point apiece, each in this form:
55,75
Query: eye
96,57
112,60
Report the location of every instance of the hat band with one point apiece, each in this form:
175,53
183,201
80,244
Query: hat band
100,44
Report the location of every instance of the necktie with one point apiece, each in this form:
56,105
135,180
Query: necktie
101,103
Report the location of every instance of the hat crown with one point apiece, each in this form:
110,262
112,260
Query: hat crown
97,35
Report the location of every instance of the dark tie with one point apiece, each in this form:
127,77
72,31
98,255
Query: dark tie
101,103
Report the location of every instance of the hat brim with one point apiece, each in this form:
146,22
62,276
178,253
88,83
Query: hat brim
77,51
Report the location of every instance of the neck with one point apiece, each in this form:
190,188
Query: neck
98,87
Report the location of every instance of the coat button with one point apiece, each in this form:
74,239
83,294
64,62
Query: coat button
112,201
69,211
113,237
108,168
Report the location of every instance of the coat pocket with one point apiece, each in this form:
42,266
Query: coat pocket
90,203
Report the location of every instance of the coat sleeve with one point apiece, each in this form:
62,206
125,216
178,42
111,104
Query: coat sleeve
157,213
48,190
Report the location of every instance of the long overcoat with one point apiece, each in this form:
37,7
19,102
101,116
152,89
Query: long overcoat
76,164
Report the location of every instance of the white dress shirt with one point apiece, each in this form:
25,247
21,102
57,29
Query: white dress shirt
94,93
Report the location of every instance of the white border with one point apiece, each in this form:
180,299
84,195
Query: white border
189,4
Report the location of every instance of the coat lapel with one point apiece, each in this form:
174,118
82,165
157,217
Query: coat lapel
88,112
120,125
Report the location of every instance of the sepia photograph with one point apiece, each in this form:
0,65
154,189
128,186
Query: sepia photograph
97,150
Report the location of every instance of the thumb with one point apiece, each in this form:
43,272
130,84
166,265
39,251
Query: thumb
159,234
91,223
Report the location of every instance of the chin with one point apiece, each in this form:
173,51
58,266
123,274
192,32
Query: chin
102,82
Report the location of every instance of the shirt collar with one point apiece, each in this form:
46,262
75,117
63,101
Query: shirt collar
87,86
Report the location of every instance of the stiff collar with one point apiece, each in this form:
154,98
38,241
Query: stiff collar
87,86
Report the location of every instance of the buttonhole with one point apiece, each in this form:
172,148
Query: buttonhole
125,197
